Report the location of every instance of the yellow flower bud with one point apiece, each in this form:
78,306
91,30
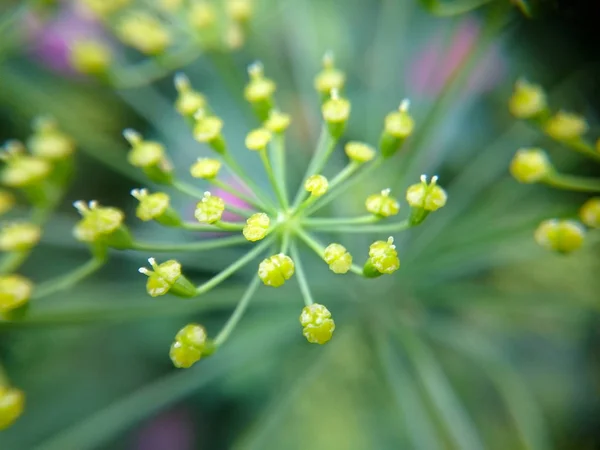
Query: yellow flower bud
209,209
143,32
188,100
590,213
338,258
103,8
143,153
183,356
239,10
170,5
336,111
259,88
382,204
7,201
530,165
208,131
189,344
202,15
359,152
192,335
167,278
22,170
563,236
257,226
152,206
564,126
383,258
398,126
317,324
15,291
100,223
206,168
234,36
49,142
329,78
429,197
90,57
274,271
12,404
277,122
258,139
317,185
18,237
528,100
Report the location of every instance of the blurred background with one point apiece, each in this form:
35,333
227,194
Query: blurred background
481,340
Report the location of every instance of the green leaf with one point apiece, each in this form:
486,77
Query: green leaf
451,7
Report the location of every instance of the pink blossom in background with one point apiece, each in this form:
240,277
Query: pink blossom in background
50,38
172,430
432,67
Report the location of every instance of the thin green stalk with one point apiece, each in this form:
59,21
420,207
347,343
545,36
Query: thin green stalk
301,277
219,226
311,242
4,380
332,222
234,267
325,146
378,228
572,182
257,204
187,189
277,149
336,188
69,279
210,244
239,173
269,169
579,145
285,241
238,312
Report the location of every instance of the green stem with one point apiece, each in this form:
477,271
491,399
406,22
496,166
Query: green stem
334,221
311,242
269,169
379,228
231,269
285,241
187,189
325,146
190,246
4,380
301,277
572,182
69,279
336,188
219,226
233,191
278,154
582,147
12,261
238,312
239,173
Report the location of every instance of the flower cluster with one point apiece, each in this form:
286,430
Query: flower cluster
533,165
171,34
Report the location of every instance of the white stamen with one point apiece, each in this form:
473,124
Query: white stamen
93,204
80,206
132,136
404,105
255,69
182,82
328,59
423,178
145,271
386,192
200,114
335,94
434,179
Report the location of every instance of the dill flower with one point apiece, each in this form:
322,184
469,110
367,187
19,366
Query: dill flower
201,15
275,270
49,142
7,201
155,206
18,237
258,139
167,278
277,122
149,156
90,57
143,32
208,131
105,7
188,346
590,212
12,404
359,152
338,258
209,209
101,224
564,126
382,204
383,259
188,100
528,100
206,168
563,236
239,10
317,324
257,227
22,170
317,185
530,165
15,291
398,126
259,91
336,111
329,78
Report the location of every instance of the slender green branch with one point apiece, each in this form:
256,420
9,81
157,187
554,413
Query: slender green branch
285,241
238,312
583,147
234,267
12,261
301,277
311,242
377,228
572,182
4,380
325,146
210,244
335,221
256,204
272,178
219,226
342,183
69,279
277,149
